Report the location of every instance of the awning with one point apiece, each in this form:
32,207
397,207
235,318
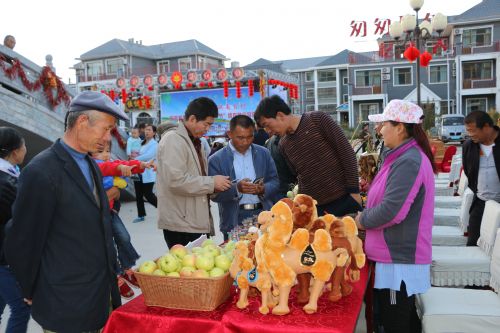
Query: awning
343,107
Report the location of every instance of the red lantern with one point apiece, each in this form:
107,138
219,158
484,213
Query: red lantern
250,88
411,53
210,84
112,95
189,85
238,89
139,102
176,79
147,101
124,96
226,89
201,84
425,59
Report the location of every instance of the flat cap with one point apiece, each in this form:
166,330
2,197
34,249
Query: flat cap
93,100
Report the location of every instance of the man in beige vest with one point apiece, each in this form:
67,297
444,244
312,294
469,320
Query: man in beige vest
182,184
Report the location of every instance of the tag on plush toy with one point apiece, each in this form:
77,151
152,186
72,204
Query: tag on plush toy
253,275
308,257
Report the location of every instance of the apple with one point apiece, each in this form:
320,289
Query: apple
197,250
200,273
207,242
168,263
187,271
189,260
289,195
173,274
159,272
211,251
205,262
179,251
223,262
148,267
216,272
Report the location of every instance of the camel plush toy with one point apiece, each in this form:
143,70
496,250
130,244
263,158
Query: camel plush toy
243,270
284,256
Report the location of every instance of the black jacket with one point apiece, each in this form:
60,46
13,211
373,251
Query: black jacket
60,245
287,178
470,160
8,189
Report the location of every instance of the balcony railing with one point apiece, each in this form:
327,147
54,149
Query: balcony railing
472,49
479,83
370,90
139,71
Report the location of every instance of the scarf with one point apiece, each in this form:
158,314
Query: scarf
7,167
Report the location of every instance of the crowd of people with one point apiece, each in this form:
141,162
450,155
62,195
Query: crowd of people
68,258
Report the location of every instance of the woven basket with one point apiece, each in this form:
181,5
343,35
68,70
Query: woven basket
186,293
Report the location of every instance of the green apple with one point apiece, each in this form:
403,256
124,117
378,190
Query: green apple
205,262
179,251
173,274
168,263
197,250
147,267
187,271
289,195
189,260
216,272
159,272
223,262
200,273
211,250
207,242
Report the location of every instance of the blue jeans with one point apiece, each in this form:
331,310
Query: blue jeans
127,255
10,293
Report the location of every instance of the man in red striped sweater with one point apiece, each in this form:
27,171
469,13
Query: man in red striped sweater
318,151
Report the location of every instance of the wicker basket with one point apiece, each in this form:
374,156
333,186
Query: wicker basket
186,293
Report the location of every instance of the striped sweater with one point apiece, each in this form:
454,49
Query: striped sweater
322,158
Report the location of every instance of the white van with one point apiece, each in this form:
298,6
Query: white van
452,128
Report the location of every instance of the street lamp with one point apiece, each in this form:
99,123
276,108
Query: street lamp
414,32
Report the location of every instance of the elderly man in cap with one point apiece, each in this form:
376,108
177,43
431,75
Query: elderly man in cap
60,245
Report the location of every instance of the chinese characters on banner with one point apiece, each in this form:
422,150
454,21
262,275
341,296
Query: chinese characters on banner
381,26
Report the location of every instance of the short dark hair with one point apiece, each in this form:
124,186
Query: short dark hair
241,120
201,108
480,118
10,140
269,108
141,125
71,118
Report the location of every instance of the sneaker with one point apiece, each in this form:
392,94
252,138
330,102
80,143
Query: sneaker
138,219
125,290
130,278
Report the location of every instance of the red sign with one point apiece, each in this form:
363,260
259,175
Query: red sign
176,78
192,76
206,75
221,75
381,26
162,79
134,81
120,82
238,73
148,80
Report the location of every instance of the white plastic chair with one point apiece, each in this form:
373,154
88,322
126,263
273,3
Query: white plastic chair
459,265
463,310
443,235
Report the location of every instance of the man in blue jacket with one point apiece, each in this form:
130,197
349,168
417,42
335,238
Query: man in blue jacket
252,171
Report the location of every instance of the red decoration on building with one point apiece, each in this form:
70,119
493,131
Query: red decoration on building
221,75
439,44
210,84
189,85
238,73
226,89
162,79
250,88
124,96
206,75
176,79
150,88
192,76
425,59
112,95
201,84
411,53
134,81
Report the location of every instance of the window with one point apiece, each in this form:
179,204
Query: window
327,107
345,98
479,70
345,80
444,107
366,109
309,76
309,93
326,76
163,66
368,78
94,68
476,37
327,93
476,104
438,74
453,121
184,64
114,66
309,107
403,76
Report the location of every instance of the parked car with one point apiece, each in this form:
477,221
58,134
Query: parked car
452,128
